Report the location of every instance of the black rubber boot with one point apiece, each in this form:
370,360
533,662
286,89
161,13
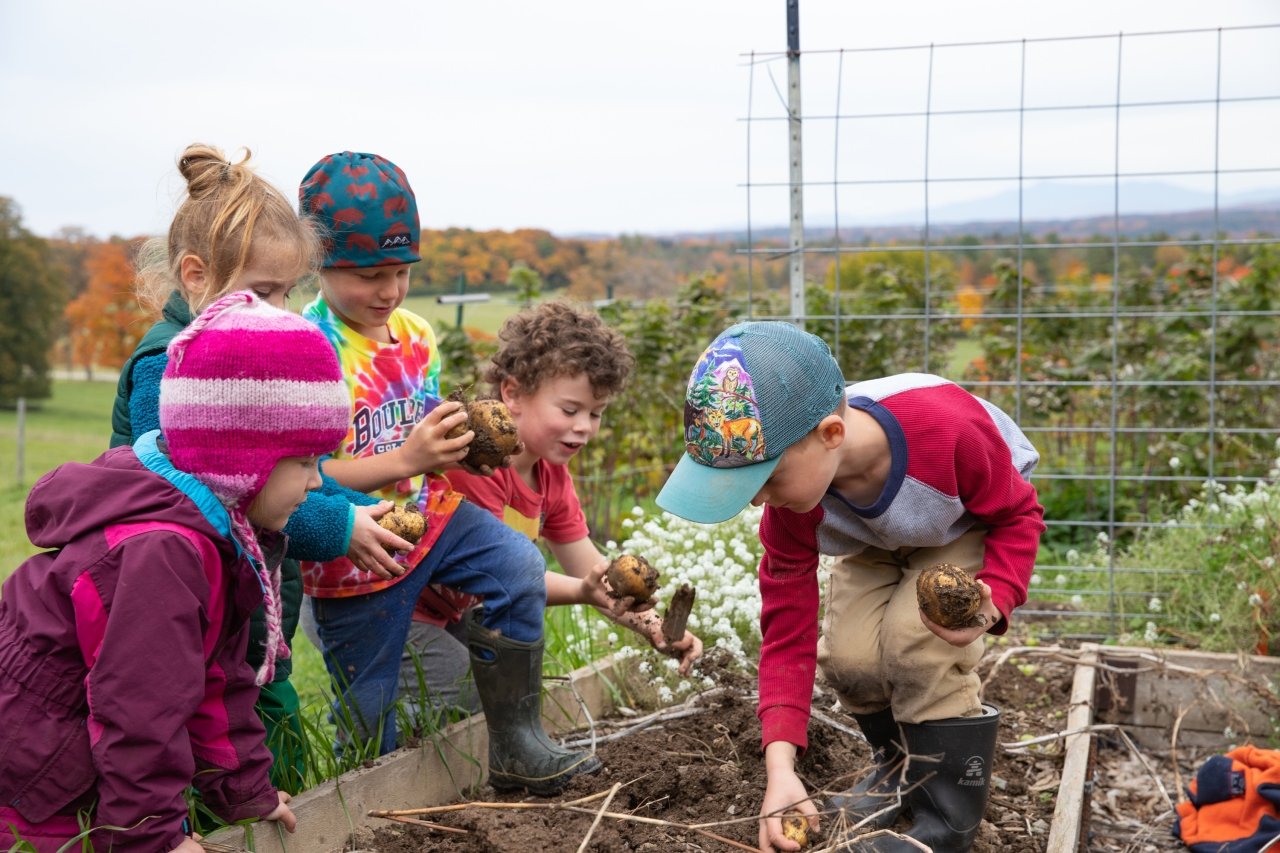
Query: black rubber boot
877,790
510,687
948,806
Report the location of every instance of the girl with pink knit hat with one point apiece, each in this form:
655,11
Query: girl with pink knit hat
161,551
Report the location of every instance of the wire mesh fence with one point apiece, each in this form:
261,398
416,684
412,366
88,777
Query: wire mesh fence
1137,354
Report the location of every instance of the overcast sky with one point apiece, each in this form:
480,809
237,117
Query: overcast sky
606,117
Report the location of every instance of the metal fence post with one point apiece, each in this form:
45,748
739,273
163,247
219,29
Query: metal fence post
22,435
797,163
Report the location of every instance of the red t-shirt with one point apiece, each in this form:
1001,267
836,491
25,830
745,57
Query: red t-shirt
552,512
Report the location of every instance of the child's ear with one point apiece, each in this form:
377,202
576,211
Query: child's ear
194,274
831,431
509,390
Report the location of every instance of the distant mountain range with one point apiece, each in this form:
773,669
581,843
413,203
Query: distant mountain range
1072,211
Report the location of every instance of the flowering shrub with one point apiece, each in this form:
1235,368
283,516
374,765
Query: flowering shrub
1228,600
720,560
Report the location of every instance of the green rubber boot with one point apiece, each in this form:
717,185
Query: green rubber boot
521,755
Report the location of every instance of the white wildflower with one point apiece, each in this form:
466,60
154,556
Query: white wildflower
1154,604
637,511
1260,522
684,687
1229,733
1077,600
1036,580
1242,585
1255,600
1214,617
1061,580
665,695
1152,633
1269,562
1073,557
611,545
1103,539
644,667
612,638
1174,463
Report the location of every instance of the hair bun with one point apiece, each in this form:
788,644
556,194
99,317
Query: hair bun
205,167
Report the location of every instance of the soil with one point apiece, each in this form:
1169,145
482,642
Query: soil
709,767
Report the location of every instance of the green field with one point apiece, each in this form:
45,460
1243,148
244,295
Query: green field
484,316
73,426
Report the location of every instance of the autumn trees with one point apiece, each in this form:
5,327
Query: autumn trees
31,297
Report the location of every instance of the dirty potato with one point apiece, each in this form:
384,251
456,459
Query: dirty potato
795,826
496,437
406,521
632,576
950,597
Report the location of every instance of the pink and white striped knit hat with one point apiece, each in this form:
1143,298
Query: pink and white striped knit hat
246,386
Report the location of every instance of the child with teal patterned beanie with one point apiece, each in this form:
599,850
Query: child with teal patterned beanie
396,449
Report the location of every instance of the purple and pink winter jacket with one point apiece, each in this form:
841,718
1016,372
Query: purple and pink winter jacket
122,657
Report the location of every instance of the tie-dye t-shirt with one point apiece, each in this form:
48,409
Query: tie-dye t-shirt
393,386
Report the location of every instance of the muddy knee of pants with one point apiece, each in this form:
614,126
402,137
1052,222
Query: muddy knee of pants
849,650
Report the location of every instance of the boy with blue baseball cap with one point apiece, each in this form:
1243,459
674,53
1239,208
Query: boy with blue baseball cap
891,476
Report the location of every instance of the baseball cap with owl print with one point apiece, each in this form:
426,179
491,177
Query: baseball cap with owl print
758,389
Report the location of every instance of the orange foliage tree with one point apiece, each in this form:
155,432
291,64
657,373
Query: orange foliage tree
105,320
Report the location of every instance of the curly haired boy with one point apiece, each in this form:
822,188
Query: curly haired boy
557,368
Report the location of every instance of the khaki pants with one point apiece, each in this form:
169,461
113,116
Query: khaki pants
874,650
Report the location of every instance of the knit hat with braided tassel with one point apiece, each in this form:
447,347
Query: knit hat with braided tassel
246,386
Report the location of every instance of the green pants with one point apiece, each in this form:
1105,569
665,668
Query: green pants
277,707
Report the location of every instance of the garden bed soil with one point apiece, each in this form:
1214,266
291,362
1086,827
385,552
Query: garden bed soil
709,768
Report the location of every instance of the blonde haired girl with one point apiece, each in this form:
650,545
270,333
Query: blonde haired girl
234,231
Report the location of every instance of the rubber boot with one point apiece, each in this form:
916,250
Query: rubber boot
509,683
950,795
875,791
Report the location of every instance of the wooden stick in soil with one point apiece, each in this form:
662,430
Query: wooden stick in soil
604,808
1173,750
415,822
673,624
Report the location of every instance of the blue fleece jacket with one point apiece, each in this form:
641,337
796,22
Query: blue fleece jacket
321,528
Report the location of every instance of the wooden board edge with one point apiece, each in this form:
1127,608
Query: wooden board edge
328,812
1066,829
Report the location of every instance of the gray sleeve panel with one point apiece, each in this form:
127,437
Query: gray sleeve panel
878,389
1025,456
920,516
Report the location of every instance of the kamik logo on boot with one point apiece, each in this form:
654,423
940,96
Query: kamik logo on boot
974,773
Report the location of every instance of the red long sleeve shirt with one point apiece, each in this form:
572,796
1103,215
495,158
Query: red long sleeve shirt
958,461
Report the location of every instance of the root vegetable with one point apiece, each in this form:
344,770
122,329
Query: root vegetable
406,521
673,624
496,438
795,826
950,597
633,577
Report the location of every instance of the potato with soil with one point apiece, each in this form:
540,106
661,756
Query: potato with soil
406,521
795,826
950,597
496,439
632,577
